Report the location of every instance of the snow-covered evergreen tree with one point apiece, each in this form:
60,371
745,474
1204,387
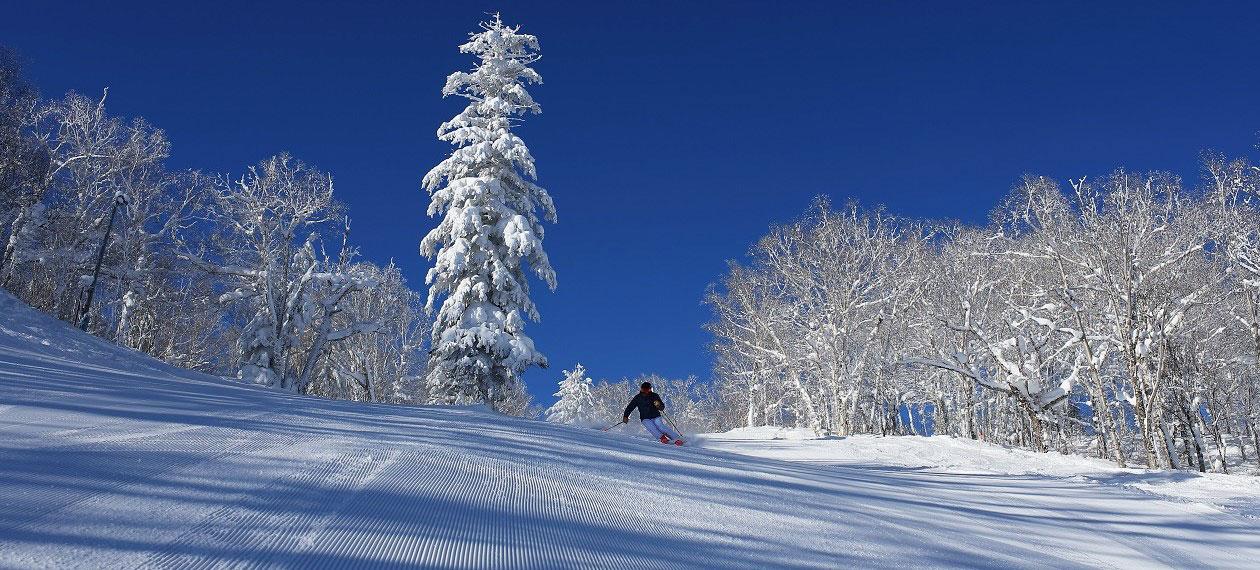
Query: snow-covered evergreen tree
490,228
576,405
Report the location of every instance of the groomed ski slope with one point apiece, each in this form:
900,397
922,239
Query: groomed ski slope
1237,493
109,459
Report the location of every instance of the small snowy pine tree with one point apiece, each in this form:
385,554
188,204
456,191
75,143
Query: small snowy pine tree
576,404
490,228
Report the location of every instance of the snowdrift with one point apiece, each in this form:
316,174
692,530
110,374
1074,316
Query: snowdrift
111,459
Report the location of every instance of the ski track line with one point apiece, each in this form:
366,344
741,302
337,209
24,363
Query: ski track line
357,484
441,525
593,510
1122,535
880,516
992,542
378,528
575,498
573,501
1154,551
184,453
276,519
338,545
1151,549
1235,508
133,434
130,529
994,545
999,550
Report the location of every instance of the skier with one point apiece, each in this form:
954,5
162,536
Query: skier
650,407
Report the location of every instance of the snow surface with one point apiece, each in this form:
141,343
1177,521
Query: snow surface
110,459
1238,494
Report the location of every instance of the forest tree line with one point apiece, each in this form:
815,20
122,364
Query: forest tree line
1117,316
249,275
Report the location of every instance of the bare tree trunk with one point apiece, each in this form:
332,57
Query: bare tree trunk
1182,432
1170,446
1196,428
1220,447
1036,430
1255,444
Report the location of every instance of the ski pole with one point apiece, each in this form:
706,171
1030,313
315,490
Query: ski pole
671,422
612,426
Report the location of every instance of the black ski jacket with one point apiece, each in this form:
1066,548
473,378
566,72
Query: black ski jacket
646,403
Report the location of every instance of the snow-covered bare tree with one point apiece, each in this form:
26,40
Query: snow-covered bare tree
490,228
812,327
270,256
1143,238
22,160
142,295
1119,316
575,404
92,158
1233,187
61,178
744,362
385,364
183,240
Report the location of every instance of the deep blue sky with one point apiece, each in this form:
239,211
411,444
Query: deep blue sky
672,134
